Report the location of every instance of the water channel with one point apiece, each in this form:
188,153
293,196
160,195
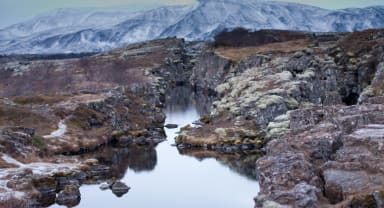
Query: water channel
164,177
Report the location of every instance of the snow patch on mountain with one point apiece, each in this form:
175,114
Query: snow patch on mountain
88,30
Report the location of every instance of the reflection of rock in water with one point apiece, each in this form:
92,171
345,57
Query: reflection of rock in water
243,164
181,98
137,158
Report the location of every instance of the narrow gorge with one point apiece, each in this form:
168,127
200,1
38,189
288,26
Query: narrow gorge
299,114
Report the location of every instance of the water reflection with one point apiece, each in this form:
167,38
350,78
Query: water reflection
182,99
165,177
134,157
242,163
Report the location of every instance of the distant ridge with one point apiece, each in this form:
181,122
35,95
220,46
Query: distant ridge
86,30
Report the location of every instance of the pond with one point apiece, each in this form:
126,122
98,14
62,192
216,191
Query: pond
164,177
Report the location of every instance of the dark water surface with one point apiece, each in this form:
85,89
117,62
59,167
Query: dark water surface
165,178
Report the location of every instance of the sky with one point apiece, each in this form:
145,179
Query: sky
14,11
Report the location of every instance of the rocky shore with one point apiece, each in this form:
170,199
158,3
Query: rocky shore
311,103
55,111
304,111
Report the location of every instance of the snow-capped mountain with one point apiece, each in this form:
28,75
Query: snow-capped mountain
87,30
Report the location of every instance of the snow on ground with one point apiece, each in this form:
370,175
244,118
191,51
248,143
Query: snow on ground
59,132
39,168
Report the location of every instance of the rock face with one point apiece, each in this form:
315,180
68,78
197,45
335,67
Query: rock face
340,144
313,105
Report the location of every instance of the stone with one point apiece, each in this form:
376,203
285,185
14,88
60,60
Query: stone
171,126
70,196
46,186
119,188
105,186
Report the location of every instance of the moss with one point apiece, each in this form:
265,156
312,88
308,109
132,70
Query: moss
362,201
307,74
283,124
221,132
268,100
378,89
39,142
205,119
292,103
282,118
223,88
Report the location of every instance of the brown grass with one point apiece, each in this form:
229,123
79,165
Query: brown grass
93,74
38,99
82,115
13,202
239,53
4,164
360,41
11,116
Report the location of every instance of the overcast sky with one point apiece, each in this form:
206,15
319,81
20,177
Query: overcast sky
13,11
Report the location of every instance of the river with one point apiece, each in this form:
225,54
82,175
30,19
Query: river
165,178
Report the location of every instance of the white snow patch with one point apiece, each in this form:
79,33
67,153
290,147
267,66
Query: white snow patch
59,132
39,168
11,160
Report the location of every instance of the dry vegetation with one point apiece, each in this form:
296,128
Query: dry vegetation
13,116
361,41
241,37
13,202
38,99
93,74
238,53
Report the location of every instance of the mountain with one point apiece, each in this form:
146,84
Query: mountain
87,30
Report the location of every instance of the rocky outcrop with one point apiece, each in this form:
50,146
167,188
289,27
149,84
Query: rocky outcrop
256,95
312,103
340,145
298,105
59,105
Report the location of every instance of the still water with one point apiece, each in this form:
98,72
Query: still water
164,178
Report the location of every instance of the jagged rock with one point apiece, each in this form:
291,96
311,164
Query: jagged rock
212,66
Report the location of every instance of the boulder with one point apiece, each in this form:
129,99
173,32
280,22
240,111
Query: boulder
119,188
70,196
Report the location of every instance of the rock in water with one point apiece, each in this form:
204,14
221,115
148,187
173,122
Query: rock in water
70,196
119,188
105,186
171,126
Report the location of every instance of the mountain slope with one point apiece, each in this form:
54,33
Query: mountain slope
81,30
